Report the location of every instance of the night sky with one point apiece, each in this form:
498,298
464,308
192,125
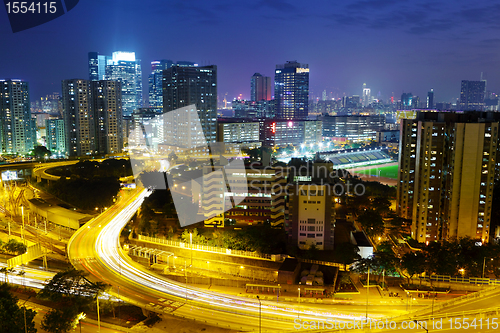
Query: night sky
393,46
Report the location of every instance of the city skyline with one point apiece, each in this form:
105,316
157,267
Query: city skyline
345,45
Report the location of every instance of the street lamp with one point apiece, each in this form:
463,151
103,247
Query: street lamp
484,264
24,308
298,310
260,314
191,245
22,216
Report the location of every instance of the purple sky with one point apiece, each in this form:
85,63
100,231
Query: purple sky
393,46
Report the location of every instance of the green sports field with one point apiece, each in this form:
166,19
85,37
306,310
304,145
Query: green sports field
385,171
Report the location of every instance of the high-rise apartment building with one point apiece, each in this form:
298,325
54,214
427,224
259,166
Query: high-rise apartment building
260,88
446,173
16,132
55,137
155,82
312,217
107,105
185,86
78,114
291,90
92,117
472,95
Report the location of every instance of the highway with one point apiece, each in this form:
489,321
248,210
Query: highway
95,248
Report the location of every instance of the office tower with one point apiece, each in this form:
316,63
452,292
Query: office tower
15,118
184,86
447,170
237,131
78,115
280,133
430,99
107,108
125,68
186,64
253,109
367,98
97,66
323,95
291,90
260,88
406,101
472,95
415,102
155,82
355,128
55,136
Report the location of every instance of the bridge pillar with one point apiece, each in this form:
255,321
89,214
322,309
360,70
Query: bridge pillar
147,313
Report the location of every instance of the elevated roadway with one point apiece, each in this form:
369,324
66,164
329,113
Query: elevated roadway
95,248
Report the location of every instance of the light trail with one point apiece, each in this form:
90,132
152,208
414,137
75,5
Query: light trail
107,262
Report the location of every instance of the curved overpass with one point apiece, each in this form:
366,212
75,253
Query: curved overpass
95,248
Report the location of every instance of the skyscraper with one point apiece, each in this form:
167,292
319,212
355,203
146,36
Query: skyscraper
406,101
16,135
260,88
155,82
367,98
92,117
472,95
97,66
107,107
184,86
78,117
446,174
291,90
430,99
126,69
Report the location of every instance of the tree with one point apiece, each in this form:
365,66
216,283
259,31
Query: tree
348,255
74,292
372,222
12,316
40,152
413,263
15,247
6,271
173,156
381,205
60,321
196,238
254,153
